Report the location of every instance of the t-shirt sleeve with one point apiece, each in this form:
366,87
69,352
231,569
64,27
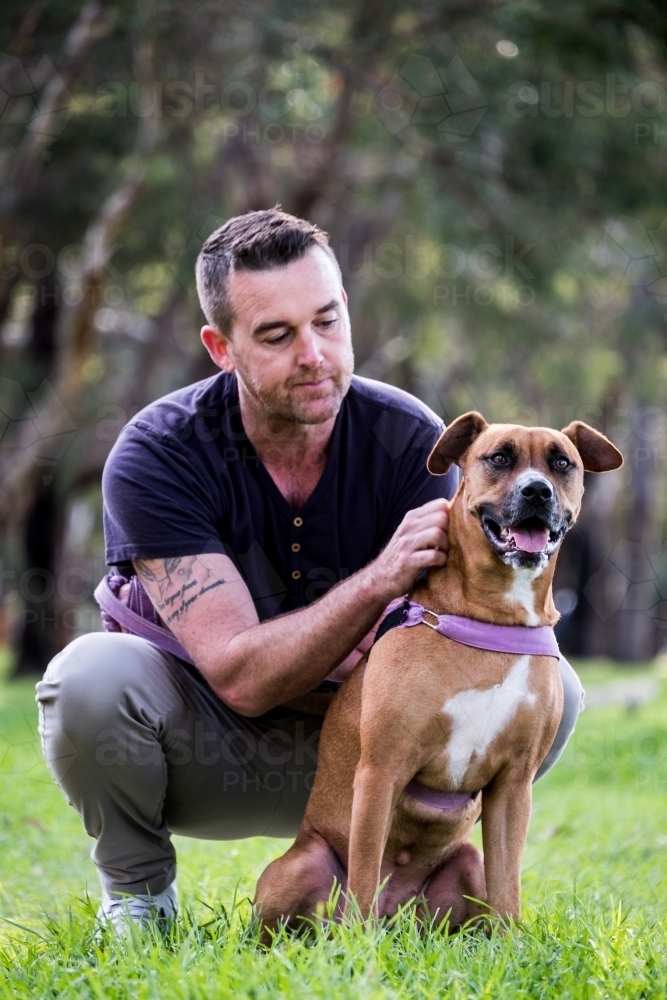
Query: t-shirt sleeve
415,485
156,501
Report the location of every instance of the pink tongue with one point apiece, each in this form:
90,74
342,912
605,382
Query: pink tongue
529,539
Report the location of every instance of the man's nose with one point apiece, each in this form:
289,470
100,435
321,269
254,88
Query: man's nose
537,490
310,352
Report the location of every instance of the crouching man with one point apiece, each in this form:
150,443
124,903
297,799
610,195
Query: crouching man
270,513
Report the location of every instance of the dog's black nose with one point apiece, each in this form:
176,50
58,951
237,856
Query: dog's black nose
537,490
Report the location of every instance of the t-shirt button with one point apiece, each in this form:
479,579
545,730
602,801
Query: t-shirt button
296,574
296,547
297,522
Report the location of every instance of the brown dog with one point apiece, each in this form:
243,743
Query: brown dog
453,717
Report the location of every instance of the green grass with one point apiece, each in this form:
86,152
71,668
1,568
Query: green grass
595,891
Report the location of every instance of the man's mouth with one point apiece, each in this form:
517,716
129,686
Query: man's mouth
532,535
313,383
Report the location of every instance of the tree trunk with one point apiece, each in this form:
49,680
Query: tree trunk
38,638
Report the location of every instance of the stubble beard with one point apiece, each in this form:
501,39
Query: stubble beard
283,402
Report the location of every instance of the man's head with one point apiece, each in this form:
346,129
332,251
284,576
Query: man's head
271,290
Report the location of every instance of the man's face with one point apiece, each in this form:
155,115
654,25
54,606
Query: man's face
290,344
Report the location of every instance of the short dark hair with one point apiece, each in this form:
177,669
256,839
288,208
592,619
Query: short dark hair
255,241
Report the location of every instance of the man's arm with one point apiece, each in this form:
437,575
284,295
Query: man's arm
254,667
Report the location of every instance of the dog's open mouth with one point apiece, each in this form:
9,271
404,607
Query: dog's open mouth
532,535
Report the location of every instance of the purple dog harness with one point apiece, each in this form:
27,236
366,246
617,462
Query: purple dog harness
521,639
139,617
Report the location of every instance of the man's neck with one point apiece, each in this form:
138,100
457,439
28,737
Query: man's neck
294,454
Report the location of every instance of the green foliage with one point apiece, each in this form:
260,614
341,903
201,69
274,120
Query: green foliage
515,263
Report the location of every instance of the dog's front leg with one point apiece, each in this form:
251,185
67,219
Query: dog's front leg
372,810
506,805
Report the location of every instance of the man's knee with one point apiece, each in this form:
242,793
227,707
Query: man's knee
573,695
573,703
85,685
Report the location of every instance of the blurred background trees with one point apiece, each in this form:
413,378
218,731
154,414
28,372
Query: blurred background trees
492,178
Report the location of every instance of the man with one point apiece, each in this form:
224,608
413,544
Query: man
271,513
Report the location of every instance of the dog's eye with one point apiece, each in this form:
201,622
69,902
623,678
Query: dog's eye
562,463
500,459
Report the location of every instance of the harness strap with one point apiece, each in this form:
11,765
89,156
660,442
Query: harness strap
524,640
116,613
438,800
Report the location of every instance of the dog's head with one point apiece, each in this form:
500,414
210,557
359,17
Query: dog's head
523,485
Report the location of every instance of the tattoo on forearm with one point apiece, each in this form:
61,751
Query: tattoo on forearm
168,573
144,570
177,572
171,600
188,601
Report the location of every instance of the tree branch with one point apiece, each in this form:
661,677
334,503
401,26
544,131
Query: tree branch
92,24
62,405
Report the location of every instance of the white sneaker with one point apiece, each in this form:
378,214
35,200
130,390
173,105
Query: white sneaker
124,910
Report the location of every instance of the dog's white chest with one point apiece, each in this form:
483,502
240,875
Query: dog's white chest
479,716
522,593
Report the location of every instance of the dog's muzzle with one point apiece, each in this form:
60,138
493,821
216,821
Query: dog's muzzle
527,529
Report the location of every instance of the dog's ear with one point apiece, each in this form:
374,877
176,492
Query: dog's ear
597,452
454,442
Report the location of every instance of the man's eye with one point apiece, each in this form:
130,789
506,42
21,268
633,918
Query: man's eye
562,463
499,458
326,323
277,340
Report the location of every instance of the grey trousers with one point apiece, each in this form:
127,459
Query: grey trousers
143,748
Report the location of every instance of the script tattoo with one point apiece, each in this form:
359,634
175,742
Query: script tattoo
175,584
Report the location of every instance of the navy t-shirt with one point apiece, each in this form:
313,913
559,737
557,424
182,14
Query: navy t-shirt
184,479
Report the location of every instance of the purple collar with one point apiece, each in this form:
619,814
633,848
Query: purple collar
520,639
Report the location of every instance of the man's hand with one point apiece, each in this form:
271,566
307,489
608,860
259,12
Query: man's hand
421,541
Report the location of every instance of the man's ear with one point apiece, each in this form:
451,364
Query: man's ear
218,346
597,452
454,442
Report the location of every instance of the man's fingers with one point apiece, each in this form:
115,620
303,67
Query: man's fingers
432,507
432,538
421,541
440,502
431,557
433,519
